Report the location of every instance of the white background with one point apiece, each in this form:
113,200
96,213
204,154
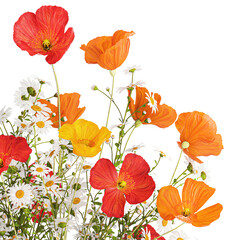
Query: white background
189,52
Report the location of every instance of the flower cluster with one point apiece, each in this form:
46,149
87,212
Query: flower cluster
56,173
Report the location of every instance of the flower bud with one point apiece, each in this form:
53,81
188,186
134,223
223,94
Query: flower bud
203,175
31,91
138,123
62,224
94,87
190,168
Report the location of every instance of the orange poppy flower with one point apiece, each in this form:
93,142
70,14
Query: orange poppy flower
194,196
108,51
199,132
85,136
147,109
70,111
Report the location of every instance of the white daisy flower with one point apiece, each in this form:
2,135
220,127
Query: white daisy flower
39,169
134,148
5,113
164,225
134,68
76,201
118,125
146,234
132,85
24,125
21,195
39,108
52,184
28,91
152,102
179,236
42,124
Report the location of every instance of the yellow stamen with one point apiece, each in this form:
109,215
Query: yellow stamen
151,100
121,184
23,125
186,212
1,163
36,108
76,200
164,223
40,124
39,169
49,183
87,167
46,44
19,194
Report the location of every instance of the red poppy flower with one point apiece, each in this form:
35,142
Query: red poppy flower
108,51
12,147
43,33
199,132
194,195
146,231
148,110
132,184
70,111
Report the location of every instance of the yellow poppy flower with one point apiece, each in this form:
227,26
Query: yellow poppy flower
85,136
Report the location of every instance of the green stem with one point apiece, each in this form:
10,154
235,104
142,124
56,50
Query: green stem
59,117
176,166
9,207
110,104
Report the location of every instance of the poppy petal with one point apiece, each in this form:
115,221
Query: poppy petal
169,203
103,174
113,203
206,216
195,194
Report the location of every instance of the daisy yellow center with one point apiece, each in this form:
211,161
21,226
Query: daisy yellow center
1,163
40,124
76,200
46,44
49,183
23,125
36,108
19,194
122,184
146,237
39,169
186,212
86,167
180,238
152,100
164,223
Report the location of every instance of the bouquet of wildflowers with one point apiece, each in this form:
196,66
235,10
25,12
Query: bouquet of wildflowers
64,177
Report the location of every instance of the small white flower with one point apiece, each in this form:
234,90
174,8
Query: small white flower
76,200
132,85
42,124
39,108
20,195
5,113
179,235
39,169
134,68
152,102
134,148
28,91
164,225
52,184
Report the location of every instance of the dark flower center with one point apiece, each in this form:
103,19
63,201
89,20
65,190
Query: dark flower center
1,163
46,44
